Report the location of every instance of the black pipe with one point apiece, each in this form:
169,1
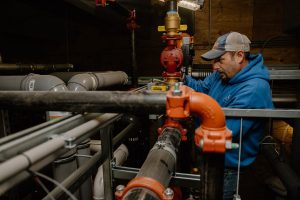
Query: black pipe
130,129
286,174
212,173
34,67
134,77
159,164
89,101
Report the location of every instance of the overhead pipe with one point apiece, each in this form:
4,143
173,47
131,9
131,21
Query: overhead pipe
32,82
89,101
72,137
155,174
34,67
94,81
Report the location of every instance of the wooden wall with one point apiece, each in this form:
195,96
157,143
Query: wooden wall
260,20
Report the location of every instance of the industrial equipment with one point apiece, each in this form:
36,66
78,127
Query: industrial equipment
138,144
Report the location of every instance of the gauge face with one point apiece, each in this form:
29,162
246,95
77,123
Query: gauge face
141,194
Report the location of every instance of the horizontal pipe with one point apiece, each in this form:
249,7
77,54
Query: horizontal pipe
34,67
32,82
94,81
75,135
98,101
13,181
12,148
21,162
80,175
30,130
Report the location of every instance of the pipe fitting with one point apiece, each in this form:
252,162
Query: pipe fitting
32,82
169,193
36,82
93,81
83,82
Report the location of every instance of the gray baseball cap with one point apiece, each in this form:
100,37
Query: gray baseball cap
232,41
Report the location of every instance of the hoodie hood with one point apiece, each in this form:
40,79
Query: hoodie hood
255,69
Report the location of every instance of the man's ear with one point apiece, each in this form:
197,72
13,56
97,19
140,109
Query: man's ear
239,56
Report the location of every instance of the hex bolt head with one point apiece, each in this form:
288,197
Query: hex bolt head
120,188
169,192
177,91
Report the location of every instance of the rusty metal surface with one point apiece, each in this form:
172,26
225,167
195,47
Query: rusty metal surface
96,101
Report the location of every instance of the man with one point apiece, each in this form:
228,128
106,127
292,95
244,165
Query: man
239,80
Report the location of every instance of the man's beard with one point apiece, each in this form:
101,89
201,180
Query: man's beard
224,78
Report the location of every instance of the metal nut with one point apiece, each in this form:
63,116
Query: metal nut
169,192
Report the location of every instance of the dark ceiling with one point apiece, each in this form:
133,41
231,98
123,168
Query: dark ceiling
79,32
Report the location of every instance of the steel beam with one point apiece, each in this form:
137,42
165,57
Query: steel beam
273,113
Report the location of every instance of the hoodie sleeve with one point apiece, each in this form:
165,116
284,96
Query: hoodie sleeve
251,96
200,85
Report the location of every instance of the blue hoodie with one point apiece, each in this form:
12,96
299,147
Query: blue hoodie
247,89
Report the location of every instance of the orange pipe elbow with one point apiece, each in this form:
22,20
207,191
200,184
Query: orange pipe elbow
213,134
208,110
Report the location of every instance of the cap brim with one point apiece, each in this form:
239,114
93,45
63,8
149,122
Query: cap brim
212,54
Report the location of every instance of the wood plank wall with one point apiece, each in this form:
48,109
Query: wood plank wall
260,20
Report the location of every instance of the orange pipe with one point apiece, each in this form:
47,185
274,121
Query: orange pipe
212,135
208,110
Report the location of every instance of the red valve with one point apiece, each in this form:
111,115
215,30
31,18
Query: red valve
171,58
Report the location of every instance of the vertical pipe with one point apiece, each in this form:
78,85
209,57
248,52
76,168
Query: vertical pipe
107,176
65,166
134,77
211,184
295,161
173,5
120,156
83,149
